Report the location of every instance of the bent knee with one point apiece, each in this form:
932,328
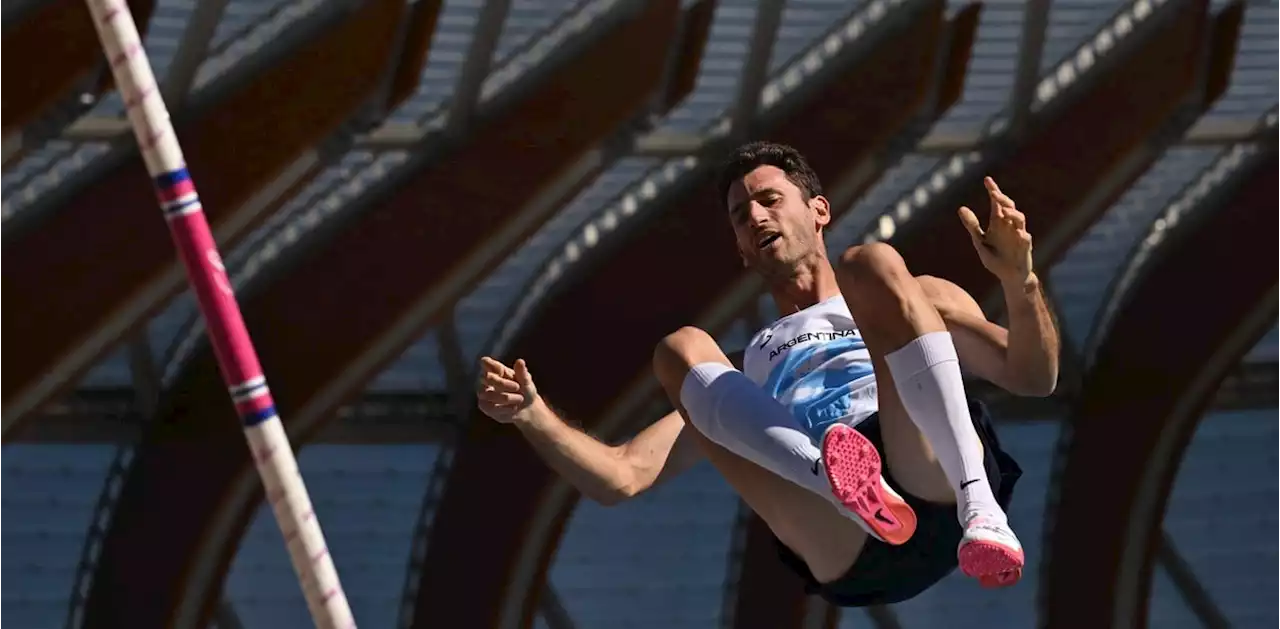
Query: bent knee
874,262
680,350
680,345
948,298
935,288
876,277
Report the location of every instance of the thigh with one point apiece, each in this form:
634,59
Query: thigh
827,541
807,523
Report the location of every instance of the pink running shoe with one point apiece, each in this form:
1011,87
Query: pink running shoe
990,552
853,468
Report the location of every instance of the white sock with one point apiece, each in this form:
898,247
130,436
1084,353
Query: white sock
731,410
926,373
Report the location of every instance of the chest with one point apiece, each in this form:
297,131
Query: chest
772,345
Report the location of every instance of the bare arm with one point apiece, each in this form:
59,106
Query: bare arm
609,474
660,452
605,473
1033,338
664,449
1022,359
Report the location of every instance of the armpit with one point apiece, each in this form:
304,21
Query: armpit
735,359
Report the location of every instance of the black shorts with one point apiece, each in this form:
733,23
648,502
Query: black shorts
885,574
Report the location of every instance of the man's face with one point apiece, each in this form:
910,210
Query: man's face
775,227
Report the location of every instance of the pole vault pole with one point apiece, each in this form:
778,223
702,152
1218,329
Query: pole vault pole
268,443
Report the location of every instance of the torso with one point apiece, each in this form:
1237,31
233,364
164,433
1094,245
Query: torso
815,363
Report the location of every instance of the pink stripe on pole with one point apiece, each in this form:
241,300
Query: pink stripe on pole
231,344
233,348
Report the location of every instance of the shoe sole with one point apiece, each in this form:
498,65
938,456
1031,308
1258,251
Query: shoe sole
992,564
853,468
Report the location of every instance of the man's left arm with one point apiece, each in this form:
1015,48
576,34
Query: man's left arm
1033,337
1022,359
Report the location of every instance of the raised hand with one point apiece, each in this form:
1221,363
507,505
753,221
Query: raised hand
1005,245
505,394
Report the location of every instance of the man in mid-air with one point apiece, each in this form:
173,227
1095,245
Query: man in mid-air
847,429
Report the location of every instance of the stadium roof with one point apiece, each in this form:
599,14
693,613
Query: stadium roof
245,31
1025,54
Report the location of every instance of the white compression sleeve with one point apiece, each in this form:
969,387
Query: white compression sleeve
733,411
926,374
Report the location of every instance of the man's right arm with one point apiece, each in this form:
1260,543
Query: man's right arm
608,474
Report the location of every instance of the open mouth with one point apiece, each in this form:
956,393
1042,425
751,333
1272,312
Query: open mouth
768,240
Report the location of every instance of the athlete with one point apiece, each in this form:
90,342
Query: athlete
848,430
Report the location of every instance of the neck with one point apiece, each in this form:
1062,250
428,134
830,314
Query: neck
811,281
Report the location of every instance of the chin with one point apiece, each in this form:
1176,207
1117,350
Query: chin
770,268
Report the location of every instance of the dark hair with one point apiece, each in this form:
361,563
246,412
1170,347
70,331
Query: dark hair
749,157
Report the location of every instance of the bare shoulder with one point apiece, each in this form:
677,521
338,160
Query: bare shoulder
937,287
948,297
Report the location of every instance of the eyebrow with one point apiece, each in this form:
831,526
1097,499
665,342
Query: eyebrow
734,209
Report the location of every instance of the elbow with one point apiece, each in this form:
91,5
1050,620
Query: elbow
609,499
616,490
1043,388
1041,385
1048,383
1032,378
613,496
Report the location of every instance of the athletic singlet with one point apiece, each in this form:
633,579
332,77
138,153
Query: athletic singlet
815,363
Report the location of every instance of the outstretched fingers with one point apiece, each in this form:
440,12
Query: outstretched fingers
1002,207
970,222
974,227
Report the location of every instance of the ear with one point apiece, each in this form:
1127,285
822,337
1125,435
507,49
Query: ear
742,256
822,210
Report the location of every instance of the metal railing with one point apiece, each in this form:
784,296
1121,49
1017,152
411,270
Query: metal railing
351,195
1197,197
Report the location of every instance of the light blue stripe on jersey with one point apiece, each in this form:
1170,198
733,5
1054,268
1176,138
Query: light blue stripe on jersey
820,393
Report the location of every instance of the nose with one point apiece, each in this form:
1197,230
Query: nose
757,214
